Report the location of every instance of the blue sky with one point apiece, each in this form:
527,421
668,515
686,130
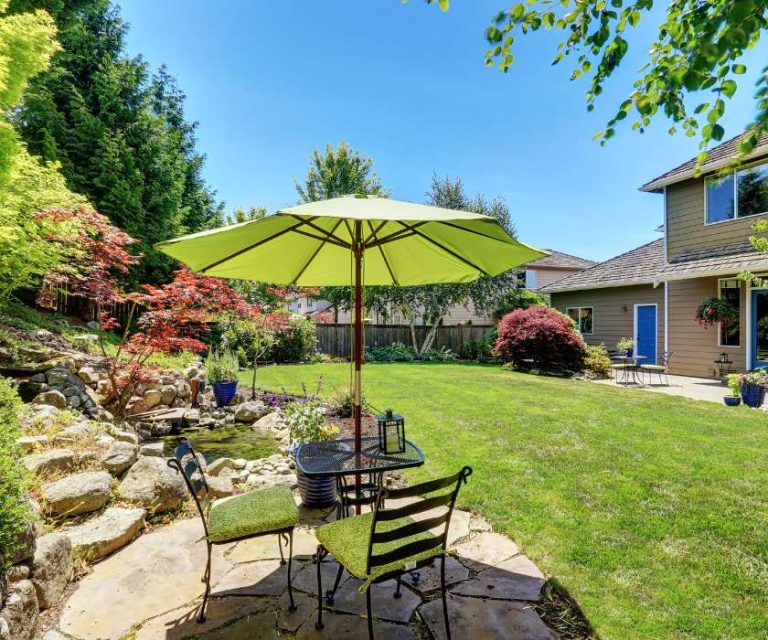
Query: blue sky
407,85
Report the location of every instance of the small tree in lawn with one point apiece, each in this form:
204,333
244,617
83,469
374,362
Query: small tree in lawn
540,338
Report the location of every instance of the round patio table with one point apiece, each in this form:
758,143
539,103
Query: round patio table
633,368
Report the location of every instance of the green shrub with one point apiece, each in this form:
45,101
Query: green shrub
438,355
340,402
296,343
306,422
14,479
395,352
520,299
597,362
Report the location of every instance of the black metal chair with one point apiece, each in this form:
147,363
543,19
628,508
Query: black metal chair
348,495
387,542
264,512
661,369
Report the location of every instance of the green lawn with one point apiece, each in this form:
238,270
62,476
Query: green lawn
651,510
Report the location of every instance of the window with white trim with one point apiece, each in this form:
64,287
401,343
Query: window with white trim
729,335
531,280
582,317
739,194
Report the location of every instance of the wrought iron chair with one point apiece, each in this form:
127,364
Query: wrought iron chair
257,513
348,496
387,542
661,369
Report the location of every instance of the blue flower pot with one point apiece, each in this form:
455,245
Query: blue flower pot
753,395
630,352
224,392
732,401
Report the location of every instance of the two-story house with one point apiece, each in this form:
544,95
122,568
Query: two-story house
651,293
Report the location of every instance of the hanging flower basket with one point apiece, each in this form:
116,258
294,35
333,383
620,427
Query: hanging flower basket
714,310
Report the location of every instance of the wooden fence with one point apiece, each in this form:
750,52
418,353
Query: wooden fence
336,339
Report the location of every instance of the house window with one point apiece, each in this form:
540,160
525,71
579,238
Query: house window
737,195
730,290
582,317
531,279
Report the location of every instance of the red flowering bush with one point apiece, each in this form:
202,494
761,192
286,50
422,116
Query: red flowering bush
539,338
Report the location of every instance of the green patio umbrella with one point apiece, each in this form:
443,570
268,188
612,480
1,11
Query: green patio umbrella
354,240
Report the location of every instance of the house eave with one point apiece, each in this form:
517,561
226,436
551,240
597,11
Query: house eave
603,285
710,273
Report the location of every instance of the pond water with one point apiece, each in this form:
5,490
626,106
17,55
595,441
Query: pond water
233,441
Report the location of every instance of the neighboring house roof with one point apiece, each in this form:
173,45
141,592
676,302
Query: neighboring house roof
717,158
720,261
560,260
637,266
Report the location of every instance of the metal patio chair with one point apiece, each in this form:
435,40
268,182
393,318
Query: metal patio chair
660,369
388,543
263,512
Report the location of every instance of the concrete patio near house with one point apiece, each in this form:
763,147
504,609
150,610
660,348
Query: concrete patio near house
684,386
151,589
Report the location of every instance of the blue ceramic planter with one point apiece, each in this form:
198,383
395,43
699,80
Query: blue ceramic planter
753,395
732,401
224,392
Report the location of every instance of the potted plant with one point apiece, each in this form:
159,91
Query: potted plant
222,370
306,423
714,310
752,385
626,345
734,384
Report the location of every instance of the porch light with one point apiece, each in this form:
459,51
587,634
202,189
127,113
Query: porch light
391,432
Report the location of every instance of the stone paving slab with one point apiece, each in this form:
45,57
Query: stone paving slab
266,547
260,578
515,579
486,550
343,627
480,619
306,607
158,572
306,580
349,599
429,578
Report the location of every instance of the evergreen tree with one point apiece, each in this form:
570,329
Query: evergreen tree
119,134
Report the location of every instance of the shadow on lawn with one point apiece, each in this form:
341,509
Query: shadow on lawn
563,614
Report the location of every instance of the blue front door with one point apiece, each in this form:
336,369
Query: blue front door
759,328
645,333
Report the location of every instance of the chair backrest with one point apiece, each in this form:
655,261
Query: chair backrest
436,494
187,462
665,358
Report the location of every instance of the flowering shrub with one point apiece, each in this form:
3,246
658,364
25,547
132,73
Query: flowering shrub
714,310
597,362
295,341
539,338
306,422
758,377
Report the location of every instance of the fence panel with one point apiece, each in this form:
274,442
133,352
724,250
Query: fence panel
336,339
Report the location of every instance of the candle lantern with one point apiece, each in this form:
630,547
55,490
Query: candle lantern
723,357
391,432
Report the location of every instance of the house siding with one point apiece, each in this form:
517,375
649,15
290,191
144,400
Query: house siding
546,276
610,321
693,348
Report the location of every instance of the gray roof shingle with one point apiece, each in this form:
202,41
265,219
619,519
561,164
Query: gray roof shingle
560,260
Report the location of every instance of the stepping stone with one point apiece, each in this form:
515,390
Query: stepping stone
261,578
478,618
265,547
29,443
153,449
515,579
338,626
349,599
430,576
486,550
306,606
112,530
306,580
261,626
76,494
159,572
50,461
119,456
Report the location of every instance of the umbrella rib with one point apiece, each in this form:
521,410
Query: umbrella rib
309,223
465,230
315,252
383,257
374,232
446,249
322,238
396,235
252,246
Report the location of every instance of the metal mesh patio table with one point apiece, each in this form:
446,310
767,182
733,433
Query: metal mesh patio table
338,457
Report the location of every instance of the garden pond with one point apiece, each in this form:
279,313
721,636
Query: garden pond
231,441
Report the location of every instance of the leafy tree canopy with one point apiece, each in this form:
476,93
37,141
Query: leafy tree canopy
693,67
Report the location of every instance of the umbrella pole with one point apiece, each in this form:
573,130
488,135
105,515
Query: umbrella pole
358,320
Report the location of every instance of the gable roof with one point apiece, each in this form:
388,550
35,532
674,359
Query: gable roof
717,158
637,266
560,260
718,261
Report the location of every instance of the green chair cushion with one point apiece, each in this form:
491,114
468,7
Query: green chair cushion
653,367
252,513
620,366
347,540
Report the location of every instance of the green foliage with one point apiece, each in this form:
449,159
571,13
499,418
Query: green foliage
444,354
221,366
395,352
14,478
597,362
520,299
696,51
624,345
248,340
480,350
306,422
118,132
341,401
295,343
734,383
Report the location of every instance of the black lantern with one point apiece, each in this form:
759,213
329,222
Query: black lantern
391,432
724,357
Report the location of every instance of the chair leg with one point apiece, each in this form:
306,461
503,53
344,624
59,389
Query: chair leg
398,593
370,614
207,580
445,601
330,595
292,606
280,546
318,558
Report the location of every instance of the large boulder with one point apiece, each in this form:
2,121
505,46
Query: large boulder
79,493
52,568
24,547
126,436
28,389
29,444
272,424
168,393
19,615
152,484
152,398
90,375
49,461
53,398
251,411
112,530
61,377
153,449
220,465
219,487
119,456
135,405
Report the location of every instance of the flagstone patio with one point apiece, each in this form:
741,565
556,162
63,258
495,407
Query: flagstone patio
150,590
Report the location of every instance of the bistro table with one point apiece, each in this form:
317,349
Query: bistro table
632,364
338,458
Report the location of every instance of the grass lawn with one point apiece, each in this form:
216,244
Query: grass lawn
652,511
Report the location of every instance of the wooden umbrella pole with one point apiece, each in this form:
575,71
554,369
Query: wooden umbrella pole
357,409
